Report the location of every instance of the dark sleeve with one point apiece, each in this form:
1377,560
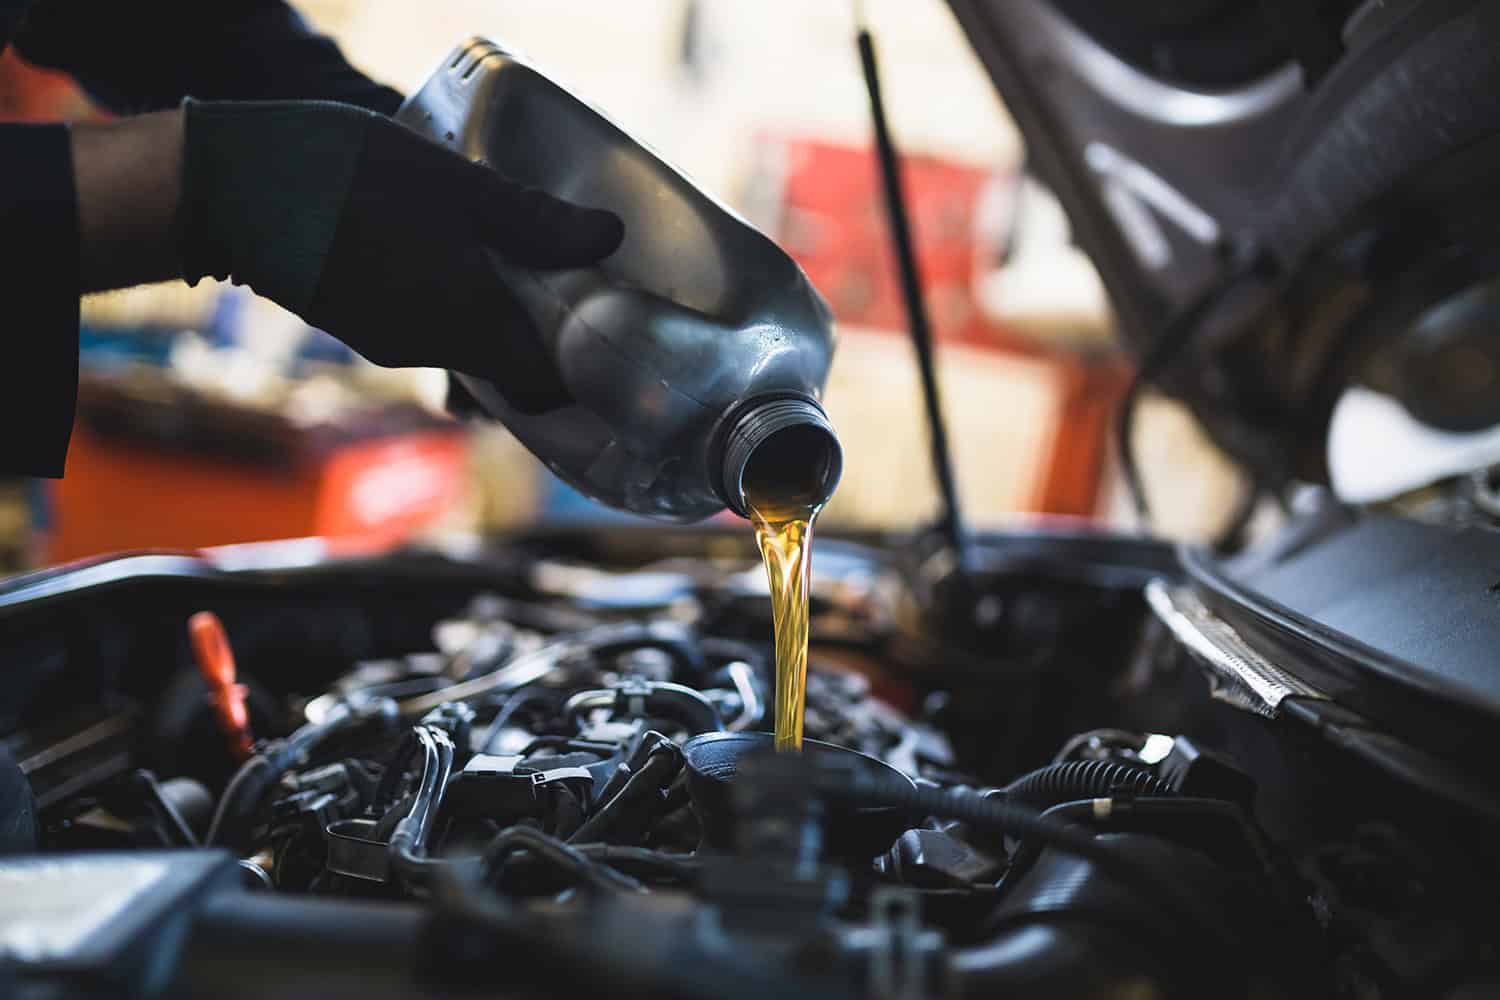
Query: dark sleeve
38,299
148,55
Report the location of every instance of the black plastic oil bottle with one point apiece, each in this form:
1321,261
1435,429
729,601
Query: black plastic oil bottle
694,355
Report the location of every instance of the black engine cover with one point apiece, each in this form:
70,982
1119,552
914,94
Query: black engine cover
1395,619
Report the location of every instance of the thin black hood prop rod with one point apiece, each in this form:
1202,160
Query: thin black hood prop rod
950,525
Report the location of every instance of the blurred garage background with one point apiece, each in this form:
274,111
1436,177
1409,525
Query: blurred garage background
210,417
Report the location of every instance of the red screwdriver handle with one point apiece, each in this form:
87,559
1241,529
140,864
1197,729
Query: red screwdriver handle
216,664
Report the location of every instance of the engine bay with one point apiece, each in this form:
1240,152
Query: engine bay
1049,762
540,768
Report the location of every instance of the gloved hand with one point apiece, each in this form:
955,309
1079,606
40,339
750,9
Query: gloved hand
378,236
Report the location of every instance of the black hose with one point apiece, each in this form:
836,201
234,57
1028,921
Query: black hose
508,710
1171,809
1082,779
866,788
569,743
1094,738
387,820
408,843
257,775
243,793
676,640
685,706
551,946
678,867
563,857
652,777
147,782
678,703
395,770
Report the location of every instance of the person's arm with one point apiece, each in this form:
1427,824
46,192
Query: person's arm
81,209
359,226
128,177
39,299
135,56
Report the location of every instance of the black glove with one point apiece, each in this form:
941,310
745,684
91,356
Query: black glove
378,236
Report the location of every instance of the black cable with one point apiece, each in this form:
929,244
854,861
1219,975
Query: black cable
257,775
147,780
564,857
386,821
408,842
679,867
432,744
687,707
1108,738
865,788
592,866
1179,330
1082,779
395,770
569,743
1223,809
555,947
652,777
242,793
1168,808
951,524
508,710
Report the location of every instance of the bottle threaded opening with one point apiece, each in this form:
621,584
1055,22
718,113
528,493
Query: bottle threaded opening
781,452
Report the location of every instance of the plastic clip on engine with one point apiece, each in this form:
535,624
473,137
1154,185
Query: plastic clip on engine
215,660
539,778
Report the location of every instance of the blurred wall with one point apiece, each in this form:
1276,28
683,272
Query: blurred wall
704,81
699,79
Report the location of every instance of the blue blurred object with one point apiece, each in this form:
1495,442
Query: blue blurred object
230,326
323,348
105,348
39,502
561,502
228,318
108,348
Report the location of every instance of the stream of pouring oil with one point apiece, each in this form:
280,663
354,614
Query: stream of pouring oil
784,536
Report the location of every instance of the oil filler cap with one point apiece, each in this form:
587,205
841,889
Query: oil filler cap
851,833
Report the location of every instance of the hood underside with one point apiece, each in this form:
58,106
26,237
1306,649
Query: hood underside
1301,189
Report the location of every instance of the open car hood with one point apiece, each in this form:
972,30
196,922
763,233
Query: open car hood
1303,189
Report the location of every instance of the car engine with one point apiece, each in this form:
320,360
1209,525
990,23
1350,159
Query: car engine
535,770
1049,762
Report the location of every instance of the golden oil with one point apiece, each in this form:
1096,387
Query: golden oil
784,536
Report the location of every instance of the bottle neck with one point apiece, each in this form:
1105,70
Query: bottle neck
780,451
